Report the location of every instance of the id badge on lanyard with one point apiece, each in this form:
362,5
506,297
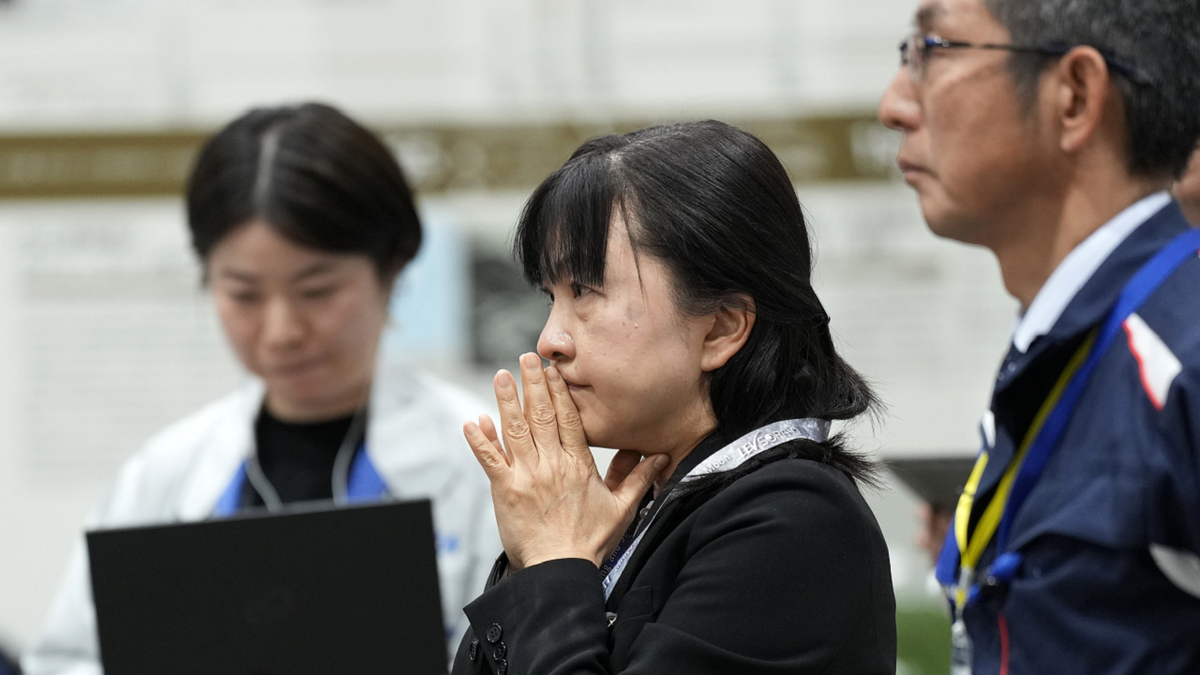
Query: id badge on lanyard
960,640
960,648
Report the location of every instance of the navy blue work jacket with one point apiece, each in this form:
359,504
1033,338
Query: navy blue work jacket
1125,479
7,667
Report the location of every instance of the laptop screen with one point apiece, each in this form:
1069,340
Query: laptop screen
310,591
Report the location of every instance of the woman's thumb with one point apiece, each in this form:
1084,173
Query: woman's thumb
634,487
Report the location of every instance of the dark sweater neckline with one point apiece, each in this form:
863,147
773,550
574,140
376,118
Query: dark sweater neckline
297,458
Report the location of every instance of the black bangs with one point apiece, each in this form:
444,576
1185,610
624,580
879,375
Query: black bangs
563,230
318,177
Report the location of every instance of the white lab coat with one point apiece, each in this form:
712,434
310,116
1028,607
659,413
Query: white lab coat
414,439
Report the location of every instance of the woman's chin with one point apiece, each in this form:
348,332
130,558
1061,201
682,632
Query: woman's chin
310,401
605,433
597,438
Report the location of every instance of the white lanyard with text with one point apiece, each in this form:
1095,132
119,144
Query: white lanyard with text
726,459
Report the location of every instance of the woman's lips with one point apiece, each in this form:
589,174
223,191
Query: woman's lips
572,386
295,369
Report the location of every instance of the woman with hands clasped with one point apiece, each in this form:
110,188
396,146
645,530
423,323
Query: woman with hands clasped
729,535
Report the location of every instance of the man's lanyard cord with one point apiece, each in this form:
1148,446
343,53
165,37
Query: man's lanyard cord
972,544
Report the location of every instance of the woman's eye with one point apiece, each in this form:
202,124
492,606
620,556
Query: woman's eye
317,293
579,290
244,297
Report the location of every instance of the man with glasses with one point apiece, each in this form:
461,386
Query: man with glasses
1049,131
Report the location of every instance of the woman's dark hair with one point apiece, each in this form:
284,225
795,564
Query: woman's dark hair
714,204
315,176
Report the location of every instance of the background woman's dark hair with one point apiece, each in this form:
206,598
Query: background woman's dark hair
714,204
316,176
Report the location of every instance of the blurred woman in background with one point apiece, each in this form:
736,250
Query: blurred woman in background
730,536
302,221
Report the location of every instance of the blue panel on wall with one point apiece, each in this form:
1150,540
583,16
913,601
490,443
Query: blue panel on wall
429,305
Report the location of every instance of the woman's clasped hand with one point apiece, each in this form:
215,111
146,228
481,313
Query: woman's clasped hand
549,498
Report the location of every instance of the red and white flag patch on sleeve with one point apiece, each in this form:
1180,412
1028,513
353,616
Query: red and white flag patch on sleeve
1158,364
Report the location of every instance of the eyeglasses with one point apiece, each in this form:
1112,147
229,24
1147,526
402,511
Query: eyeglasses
914,55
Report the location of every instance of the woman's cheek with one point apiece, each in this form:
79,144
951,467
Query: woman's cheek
351,329
245,346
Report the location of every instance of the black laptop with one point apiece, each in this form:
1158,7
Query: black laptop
313,590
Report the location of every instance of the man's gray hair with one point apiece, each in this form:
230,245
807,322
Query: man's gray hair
1161,38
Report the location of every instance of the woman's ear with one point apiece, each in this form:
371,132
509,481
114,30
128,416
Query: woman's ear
730,329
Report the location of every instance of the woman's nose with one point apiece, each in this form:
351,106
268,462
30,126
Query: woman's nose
555,343
283,327
899,109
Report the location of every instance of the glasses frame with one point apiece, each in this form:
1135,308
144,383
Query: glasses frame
923,43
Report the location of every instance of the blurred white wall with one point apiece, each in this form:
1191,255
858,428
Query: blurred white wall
154,63
105,335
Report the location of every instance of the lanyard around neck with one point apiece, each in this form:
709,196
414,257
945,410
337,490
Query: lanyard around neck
971,545
727,458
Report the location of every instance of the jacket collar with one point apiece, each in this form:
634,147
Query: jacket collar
664,520
1078,267
705,449
1099,294
219,453
405,442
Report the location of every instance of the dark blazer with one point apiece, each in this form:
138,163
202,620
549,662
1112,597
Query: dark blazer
783,571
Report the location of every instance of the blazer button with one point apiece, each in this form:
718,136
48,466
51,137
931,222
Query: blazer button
473,652
499,652
494,633
502,667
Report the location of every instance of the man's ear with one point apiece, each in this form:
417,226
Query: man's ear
729,331
1083,89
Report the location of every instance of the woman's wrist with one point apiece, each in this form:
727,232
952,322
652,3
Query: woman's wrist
549,556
